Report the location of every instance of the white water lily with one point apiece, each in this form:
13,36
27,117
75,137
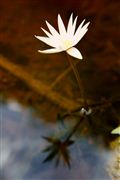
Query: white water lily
66,39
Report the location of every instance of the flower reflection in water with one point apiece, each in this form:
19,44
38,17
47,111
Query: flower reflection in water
22,146
58,148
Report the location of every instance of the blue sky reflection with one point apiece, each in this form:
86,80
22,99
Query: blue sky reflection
22,145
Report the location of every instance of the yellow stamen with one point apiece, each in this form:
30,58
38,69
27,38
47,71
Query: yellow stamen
67,44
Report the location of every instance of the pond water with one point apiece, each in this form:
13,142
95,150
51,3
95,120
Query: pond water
22,145
36,87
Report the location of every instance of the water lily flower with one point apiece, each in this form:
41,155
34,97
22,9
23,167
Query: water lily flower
65,39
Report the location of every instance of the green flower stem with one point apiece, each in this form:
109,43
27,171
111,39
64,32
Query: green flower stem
76,73
75,128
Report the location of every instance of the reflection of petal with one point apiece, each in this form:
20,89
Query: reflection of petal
50,51
74,52
58,149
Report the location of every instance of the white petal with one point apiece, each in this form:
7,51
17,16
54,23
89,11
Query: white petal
74,25
74,52
50,51
80,33
46,32
86,25
81,24
79,36
71,34
70,24
61,26
53,39
53,30
80,27
46,40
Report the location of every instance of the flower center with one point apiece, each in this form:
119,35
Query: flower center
67,44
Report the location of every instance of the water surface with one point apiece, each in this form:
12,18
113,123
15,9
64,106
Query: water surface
22,146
